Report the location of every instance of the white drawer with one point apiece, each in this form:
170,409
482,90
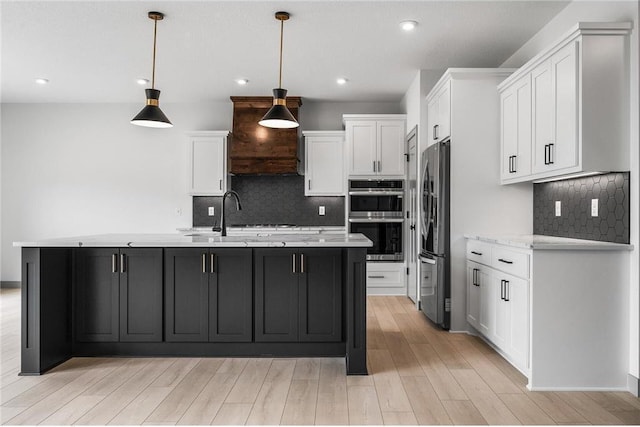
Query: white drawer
512,262
383,275
479,251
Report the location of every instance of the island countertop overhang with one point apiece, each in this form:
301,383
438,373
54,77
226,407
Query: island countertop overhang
346,240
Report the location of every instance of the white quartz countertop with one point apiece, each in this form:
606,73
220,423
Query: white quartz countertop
537,241
206,240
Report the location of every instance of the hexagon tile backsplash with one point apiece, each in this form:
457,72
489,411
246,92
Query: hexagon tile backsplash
575,195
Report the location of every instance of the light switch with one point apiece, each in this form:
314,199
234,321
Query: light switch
594,207
321,211
558,208
212,211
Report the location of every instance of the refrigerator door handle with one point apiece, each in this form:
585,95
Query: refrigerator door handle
427,260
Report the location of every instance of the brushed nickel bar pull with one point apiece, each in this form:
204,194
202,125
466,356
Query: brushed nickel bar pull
374,166
204,263
212,264
221,184
379,166
114,261
121,263
301,263
293,263
375,277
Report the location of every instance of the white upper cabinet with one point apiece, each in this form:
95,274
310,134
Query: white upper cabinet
375,144
207,167
439,114
578,117
324,163
515,108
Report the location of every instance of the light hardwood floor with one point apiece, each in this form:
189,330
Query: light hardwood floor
418,375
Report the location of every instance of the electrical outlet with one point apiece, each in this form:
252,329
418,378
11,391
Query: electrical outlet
594,207
321,210
558,208
212,211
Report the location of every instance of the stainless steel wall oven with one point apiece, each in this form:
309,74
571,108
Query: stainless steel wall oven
375,210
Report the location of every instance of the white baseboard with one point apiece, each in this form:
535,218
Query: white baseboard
390,291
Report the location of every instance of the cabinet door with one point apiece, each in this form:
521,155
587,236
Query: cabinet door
542,114
325,166
500,333
391,144
230,295
432,121
96,292
516,129
361,143
186,295
320,301
207,165
473,295
276,295
140,295
488,302
565,120
444,113
518,296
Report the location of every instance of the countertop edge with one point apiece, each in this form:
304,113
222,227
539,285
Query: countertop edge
557,243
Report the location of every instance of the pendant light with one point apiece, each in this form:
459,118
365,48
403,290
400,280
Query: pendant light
279,115
151,115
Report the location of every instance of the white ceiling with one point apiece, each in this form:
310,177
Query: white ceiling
94,51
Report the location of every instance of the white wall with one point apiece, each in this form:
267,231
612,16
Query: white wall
607,11
77,169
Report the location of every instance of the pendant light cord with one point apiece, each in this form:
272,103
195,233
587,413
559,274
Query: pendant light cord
281,38
153,72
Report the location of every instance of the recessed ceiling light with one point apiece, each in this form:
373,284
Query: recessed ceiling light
408,25
242,82
342,80
142,82
42,81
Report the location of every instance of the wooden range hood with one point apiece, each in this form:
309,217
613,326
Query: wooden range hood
256,149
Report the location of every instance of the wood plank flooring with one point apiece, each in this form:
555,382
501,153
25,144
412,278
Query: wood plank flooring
418,375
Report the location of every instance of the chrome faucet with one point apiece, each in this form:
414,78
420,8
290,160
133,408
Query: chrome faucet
223,225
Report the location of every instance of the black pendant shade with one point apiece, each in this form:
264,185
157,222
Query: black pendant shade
151,115
279,115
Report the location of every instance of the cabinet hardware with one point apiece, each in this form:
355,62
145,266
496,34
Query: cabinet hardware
301,263
512,164
506,290
546,162
551,161
221,184
374,166
505,261
502,290
375,277
212,263
475,277
204,263
309,185
293,263
515,159
379,166
121,263
476,253
114,261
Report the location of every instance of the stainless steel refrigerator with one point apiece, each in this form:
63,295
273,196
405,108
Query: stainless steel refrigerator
435,260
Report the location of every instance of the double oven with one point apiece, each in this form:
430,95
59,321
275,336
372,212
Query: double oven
375,210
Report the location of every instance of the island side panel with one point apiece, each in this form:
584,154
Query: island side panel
46,321
355,270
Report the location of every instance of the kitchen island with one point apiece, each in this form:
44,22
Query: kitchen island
202,295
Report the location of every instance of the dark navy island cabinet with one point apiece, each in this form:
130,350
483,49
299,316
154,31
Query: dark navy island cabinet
118,295
298,295
208,295
193,301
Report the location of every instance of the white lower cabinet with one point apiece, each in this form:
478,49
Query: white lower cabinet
556,310
498,302
386,278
